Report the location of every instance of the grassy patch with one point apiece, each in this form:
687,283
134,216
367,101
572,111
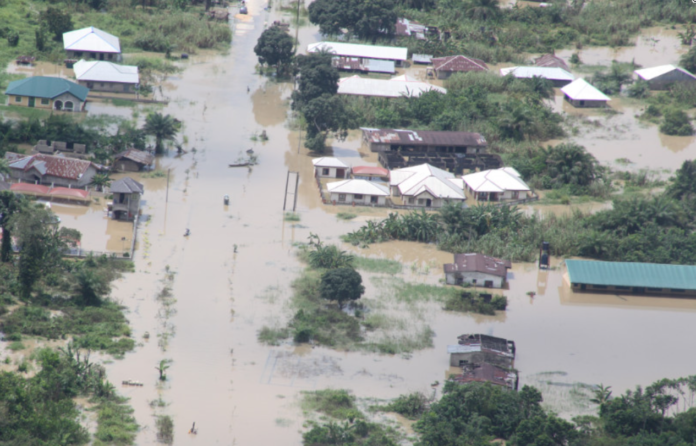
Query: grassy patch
346,215
123,102
116,424
154,174
24,112
16,345
335,403
291,216
385,266
165,429
411,406
475,302
273,336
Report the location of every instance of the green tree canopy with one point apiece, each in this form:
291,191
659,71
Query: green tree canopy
317,77
10,204
162,127
341,285
676,122
58,21
684,182
274,47
366,19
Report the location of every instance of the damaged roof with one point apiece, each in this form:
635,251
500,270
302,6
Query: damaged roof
458,63
550,60
485,372
56,166
478,263
423,137
486,342
137,156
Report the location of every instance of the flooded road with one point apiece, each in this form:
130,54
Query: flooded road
200,301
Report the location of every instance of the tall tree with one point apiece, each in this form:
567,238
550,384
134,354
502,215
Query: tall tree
572,164
366,19
275,48
684,182
58,21
341,285
10,204
482,9
317,77
162,127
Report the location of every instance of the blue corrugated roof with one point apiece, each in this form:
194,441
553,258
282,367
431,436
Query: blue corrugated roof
648,275
46,87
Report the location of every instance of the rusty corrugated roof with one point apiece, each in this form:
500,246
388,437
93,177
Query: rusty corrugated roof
458,63
424,137
137,156
57,166
474,262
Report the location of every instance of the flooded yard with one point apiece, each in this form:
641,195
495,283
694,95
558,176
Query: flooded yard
200,301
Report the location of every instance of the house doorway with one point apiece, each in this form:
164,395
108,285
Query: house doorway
32,102
428,203
101,56
340,173
58,105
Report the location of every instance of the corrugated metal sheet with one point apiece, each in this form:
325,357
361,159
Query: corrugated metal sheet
647,275
423,137
357,50
102,71
91,39
581,90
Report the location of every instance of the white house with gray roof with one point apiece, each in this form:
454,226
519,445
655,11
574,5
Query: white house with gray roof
100,75
426,186
330,167
91,43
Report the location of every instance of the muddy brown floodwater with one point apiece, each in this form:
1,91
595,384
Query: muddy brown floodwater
240,392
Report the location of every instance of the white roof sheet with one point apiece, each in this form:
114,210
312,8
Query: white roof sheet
101,71
392,88
581,90
91,39
495,180
357,50
551,73
413,181
329,161
362,187
653,72
463,348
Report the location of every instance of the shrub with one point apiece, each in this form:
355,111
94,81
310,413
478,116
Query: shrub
676,122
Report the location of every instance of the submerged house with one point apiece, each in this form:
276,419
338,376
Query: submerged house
397,87
126,198
477,269
632,278
133,160
558,76
52,170
426,186
370,173
106,76
52,93
580,93
398,55
67,148
91,43
360,192
330,167
444,67
662,77
488,373
480,348
502,184
385,140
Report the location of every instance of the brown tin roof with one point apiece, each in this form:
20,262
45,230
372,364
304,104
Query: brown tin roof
474,262
56,166
138,156
485,372
458,63
549,60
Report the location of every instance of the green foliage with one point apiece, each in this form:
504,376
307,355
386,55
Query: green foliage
341,285
688,60
639,89
384,266
475,302
411,406
611,82
346,215
320,256
116,424
335,403
365,19
291,216
274,47
162,127
57,22
676,122
165,429
684,183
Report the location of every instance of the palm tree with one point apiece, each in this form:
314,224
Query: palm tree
541,86
162,127
4,168
163,366
602,394
482,9
10,204
101,180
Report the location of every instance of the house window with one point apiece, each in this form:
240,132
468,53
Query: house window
324,171
515,194
358,197
101,84
341,197
676,290
411,200
373,199
421,201
18,99
599,287
78,53
582,103
623,288
44,101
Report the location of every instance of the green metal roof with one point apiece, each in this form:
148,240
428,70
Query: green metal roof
46,87
648,275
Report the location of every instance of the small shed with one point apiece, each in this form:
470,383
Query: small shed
360,192
370,173
127,193
444,67
582,94
662,77
477,269
133,160
423,59
330,167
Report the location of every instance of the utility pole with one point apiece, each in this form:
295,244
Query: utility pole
297,26
166,200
